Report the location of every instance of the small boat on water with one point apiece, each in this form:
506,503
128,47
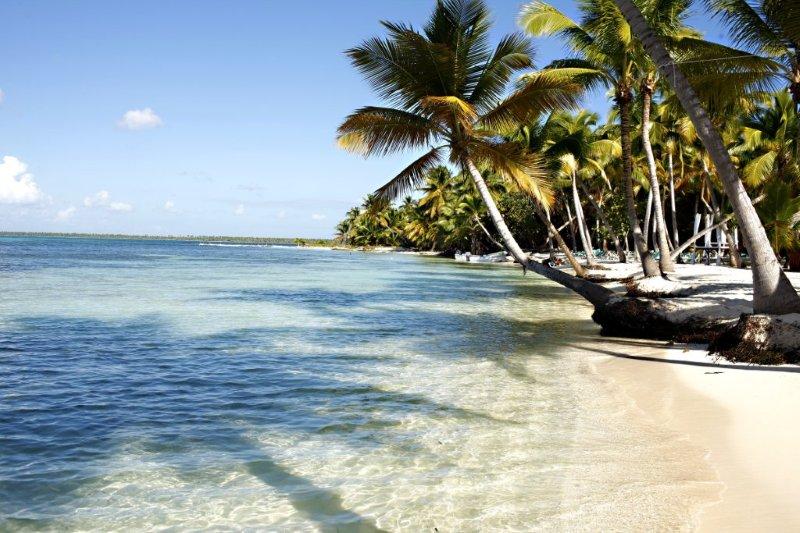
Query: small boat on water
497,257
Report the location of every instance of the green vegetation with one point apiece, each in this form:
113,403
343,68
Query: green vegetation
698,132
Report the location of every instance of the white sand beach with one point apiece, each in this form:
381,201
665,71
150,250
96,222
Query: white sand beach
744,416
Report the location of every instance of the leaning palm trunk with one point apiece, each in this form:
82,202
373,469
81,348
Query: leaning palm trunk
594,293
601,215
494,241
571,227
675,238
693,239
648,212
733,250
553,233
772,291
664,261
624,102
582,229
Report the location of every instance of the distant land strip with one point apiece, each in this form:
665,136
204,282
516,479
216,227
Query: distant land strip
204,238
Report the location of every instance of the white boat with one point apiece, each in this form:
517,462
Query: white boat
497,257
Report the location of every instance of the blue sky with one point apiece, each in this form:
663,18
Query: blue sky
193,117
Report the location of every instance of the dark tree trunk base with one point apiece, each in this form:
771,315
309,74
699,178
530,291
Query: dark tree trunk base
654,319
760,339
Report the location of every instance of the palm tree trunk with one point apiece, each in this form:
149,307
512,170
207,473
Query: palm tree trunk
733,250
648,213
551,251
691,240
673,208
623,98
477,220
772,291
664,261
571,227
794,89
594,293
544,216
584,233
601,215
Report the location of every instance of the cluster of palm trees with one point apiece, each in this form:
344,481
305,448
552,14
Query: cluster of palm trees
700,136
447,216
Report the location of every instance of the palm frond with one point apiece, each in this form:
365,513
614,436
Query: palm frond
543,92
759,169
510,160
412,176
382,130
748,27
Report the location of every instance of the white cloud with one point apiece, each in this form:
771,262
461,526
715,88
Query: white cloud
169,205
239,211
66,214
97,199
2,96
318,216
16,184
281,213
120,206
139,119
103,199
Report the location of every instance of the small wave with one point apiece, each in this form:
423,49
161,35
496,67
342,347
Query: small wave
229,245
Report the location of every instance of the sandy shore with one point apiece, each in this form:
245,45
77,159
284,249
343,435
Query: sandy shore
746,417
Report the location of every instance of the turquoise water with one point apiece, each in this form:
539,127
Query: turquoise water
149,384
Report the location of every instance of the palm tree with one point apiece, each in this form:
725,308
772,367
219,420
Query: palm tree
445,86
607,56
771,28
772,291
766,138
781,214
573,140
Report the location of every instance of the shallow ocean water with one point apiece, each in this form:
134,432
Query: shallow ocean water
169,385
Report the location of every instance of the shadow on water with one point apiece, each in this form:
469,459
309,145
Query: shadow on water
79,391
322,506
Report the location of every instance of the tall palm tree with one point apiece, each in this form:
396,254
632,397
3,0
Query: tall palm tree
573,140
607,56
772,291
445,87
771,28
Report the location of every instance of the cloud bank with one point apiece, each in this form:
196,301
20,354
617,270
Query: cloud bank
103,199
16,184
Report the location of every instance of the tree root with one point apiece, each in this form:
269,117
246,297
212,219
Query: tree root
761,340
647,318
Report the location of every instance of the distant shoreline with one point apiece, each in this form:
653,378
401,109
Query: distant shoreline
299,241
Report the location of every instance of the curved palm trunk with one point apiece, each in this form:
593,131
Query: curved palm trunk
553,232
594,293
794,88
691,240
648,210
494,241
550,249
582,229
664,261
601,215
571,227
733,250
673,208
648,263
772,291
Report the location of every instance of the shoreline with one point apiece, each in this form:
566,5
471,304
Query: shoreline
743,416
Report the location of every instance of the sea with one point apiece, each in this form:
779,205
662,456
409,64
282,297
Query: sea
151,385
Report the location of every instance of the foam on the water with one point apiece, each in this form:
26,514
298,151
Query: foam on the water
164,384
